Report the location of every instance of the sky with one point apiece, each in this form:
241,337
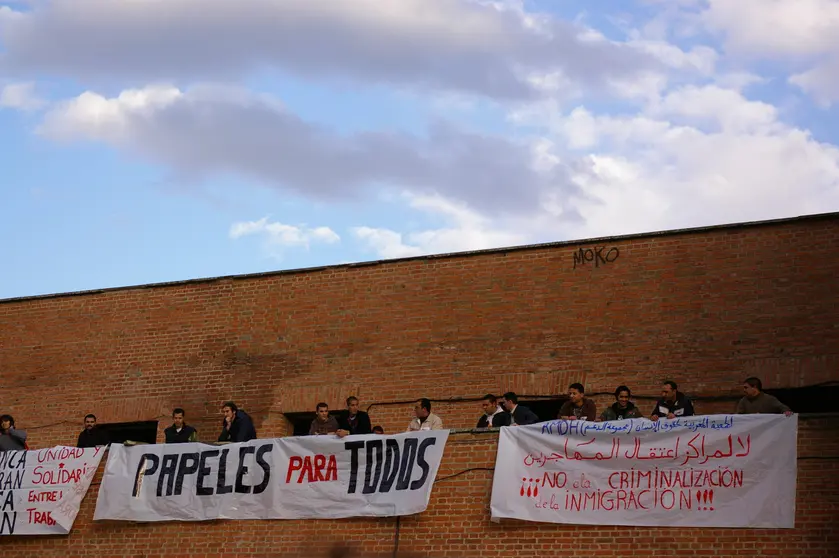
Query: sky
146,141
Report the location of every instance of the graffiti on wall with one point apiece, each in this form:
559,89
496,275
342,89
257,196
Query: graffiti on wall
597,256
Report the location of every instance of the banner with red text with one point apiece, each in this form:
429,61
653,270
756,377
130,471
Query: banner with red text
710,471
283,478
41,490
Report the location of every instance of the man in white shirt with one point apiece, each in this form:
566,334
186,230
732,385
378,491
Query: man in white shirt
494,416
425,419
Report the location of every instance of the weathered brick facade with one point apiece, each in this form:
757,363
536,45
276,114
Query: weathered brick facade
703,307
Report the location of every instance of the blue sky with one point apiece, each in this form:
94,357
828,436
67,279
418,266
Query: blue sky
205,140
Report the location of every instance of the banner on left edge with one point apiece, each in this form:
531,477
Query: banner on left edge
282,478
41,490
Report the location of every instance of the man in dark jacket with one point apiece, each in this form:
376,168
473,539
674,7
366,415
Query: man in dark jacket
622,408
237,425
92,436
673,403
353,421
519,414
180,432
494,416
11,439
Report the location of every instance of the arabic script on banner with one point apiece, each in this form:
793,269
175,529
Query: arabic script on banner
41,490
284,478
725,471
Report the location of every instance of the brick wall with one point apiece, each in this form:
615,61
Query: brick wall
704,308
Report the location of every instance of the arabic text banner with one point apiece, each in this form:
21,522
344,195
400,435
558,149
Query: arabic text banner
712,471
41,490
283,478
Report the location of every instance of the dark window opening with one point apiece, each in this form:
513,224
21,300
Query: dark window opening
545,409
121,432
813,399
301,422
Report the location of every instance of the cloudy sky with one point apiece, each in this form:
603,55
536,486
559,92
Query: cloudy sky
160,140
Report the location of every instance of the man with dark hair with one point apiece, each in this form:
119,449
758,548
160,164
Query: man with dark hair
756,401
622,408
92,436
378,430
180,432
11,439
237,425
494,416
673,403
324,423
353,421
424,419
519,414
578,406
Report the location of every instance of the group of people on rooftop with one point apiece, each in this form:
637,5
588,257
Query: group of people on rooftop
237,425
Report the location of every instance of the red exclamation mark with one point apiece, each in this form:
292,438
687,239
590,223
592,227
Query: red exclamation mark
699,499
521,492
711,499
536,489
529,489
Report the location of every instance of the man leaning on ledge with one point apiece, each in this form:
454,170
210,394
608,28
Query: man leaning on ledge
755,401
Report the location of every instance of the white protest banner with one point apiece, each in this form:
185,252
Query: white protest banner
283,478
710,471
41,490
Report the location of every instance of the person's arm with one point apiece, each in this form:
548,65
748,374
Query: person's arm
20,435
225,433
364,425
502,419
741,407
635,413
590,410
332,425
565,410
654,415
313,428
689,412
80,441
778,407
193,436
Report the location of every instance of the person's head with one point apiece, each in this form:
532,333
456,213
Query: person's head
178,417
352,405
422,408
322,411
669,389
228,410
622,395
6,422
576,392
378,430
752,387
489,403
510,401
89,421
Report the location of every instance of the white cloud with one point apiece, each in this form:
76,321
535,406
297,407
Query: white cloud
20,96
465,229
283,235
801,33
768,28
822,81
486,48
700,156
212,130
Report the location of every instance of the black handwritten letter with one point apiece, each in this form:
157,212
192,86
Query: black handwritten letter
353,447
204,472
243,470
187,466
370,486
423,463
266,468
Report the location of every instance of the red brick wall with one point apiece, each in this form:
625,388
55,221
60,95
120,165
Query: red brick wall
704,308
